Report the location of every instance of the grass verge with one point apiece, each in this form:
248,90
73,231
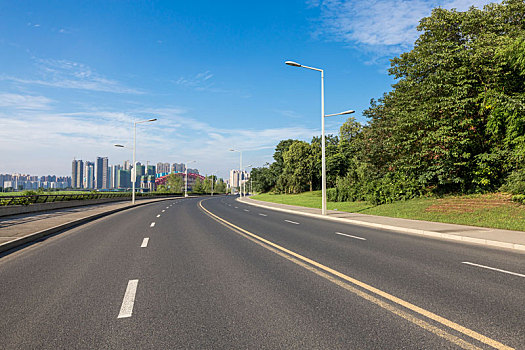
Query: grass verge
494,210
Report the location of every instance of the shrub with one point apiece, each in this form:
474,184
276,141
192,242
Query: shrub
515,182
387,189
520,198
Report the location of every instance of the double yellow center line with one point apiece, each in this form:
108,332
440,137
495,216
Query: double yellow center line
374,295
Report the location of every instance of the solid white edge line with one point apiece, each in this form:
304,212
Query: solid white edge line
144,242
152,224
292,222
494,269
129,299
347,235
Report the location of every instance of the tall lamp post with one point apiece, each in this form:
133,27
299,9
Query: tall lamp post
240,169
186,176
323,143
134,166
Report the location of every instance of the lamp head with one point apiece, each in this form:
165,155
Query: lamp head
293,64
122,146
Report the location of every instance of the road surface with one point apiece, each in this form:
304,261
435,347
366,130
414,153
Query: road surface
214,273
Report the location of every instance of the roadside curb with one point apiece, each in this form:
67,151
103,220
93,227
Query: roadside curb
52,230
433,234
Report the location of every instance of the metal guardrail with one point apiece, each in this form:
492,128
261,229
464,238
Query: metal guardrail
49,198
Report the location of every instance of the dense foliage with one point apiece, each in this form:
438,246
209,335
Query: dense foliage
454,121
175,184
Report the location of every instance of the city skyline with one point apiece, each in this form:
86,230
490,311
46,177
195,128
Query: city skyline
85,174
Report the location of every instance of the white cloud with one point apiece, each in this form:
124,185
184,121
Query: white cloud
198,81
289,114
24,101
44,141
379,26
71,75
204,81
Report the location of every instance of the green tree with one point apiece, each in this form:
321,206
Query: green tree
198,186
298,171
263,179
220,186
447,119
174,183
277,166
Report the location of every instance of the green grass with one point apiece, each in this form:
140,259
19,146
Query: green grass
505,215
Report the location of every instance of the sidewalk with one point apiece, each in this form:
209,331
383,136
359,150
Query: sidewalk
20,229
486,236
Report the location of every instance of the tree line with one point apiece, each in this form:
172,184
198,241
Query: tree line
454,121
175,184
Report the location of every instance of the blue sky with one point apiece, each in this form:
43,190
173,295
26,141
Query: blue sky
75,74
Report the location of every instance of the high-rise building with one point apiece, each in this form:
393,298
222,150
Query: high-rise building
163,168
89,175
77,174
150,170
237,177
141,169
74,173
2,179
114,175
123,178
177,168
193,171
147,182
101,173
108,177
127,165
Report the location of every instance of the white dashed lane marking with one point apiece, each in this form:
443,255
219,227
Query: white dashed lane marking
152,224
494,269
144,242
292,222
347,235
129,299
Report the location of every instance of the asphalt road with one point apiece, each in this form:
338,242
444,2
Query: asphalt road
230,275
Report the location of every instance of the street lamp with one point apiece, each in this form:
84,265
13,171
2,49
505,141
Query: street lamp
323,143
133,167
186,176
240,169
